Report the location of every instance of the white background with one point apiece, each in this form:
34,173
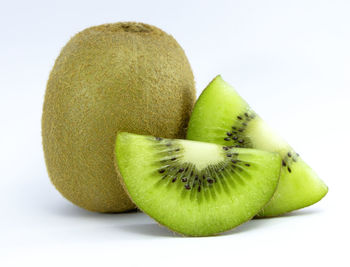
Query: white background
289,59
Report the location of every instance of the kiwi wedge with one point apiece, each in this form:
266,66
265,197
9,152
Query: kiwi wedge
221,116
196,188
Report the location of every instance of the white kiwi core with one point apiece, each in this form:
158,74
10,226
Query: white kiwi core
201,155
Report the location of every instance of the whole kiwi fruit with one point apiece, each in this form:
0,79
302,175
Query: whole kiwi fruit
125,76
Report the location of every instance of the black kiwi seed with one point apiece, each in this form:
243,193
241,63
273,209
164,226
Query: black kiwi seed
234,161
229,134
227,139
196,178
289,169
241,141
161,171
177,150
246,114
173,159
174,180
241,130
225,148
184,180
247,164
235,154
237,146
284,163
199,188
159,138
168,144
235,137
289,154
181,169
187,187
210,181
191,173
239,117
228,155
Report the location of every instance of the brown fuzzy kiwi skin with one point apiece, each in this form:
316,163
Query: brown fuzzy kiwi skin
114,77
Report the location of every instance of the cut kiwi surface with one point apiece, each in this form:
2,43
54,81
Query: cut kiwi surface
221,116
196,188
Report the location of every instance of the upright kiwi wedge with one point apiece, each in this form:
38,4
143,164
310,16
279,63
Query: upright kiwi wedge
195,188
221,116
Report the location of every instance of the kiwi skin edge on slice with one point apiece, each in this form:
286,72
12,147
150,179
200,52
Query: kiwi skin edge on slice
221,116
195,188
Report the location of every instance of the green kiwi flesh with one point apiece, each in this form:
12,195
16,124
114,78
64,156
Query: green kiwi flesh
195,188
221,116
113,77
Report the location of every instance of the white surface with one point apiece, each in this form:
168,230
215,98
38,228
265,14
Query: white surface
289,59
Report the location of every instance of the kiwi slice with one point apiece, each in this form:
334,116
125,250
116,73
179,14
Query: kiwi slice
221,116
195,188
